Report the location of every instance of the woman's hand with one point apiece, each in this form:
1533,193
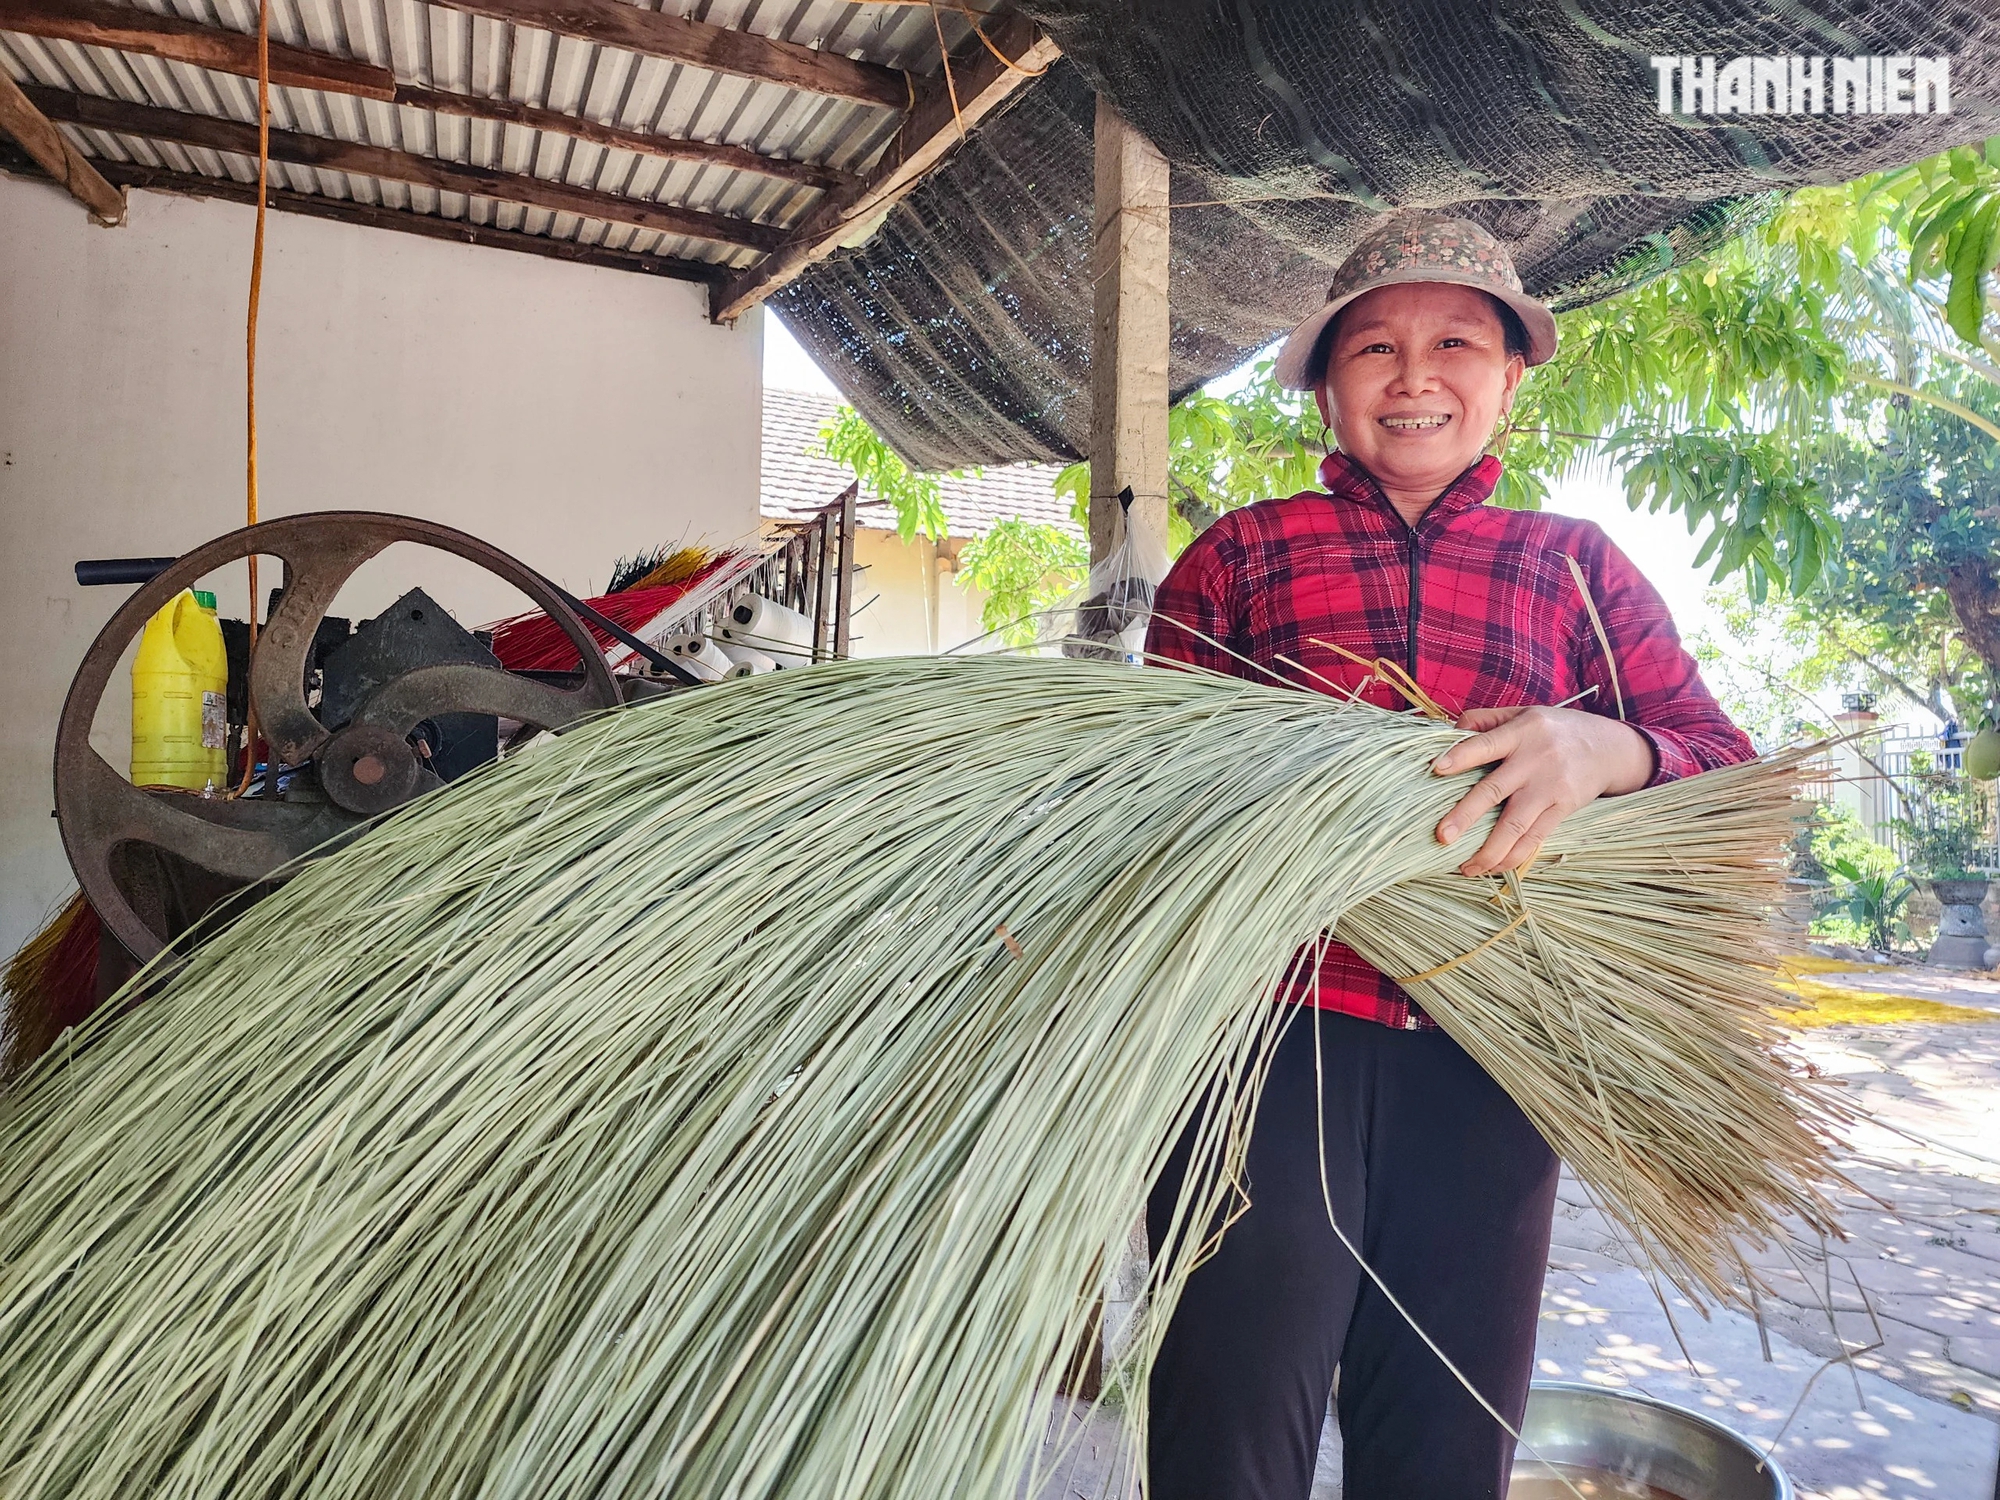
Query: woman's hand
1547,762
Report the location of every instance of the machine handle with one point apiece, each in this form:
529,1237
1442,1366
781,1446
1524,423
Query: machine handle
92,571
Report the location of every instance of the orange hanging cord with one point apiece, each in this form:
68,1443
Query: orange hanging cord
257,267
944,55
250,350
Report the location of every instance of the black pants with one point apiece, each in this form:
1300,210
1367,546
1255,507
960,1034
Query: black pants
1448,1192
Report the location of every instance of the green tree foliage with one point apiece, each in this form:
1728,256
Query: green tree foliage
1779,667
1919,516
1953,224
1226,448
1911,470
916,497
1917,519
1021,567
1702,385
1769,668
1822,396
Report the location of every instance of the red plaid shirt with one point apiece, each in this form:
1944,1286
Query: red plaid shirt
1475,602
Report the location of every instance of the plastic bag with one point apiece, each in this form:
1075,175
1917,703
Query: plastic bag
1106,619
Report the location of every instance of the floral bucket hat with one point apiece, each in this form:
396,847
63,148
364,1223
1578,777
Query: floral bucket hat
1419,245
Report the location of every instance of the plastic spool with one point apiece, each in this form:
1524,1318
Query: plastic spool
698,654
783,634
747,656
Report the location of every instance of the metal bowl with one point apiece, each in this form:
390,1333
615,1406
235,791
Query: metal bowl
1626,1435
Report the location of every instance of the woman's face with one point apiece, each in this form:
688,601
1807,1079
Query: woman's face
1416,380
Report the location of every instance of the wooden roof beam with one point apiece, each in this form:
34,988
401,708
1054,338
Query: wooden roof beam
702,44
925,140
374,216
51,149
296,149
94,23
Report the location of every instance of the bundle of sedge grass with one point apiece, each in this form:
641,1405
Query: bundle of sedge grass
742,1096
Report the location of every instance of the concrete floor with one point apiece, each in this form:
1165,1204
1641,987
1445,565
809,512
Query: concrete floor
1917,1418
1862,1433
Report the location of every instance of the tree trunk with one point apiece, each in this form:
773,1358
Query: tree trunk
1974,591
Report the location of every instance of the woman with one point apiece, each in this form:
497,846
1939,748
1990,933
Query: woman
1433,1172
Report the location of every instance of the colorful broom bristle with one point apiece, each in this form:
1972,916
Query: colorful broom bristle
50,985
535,643
681,565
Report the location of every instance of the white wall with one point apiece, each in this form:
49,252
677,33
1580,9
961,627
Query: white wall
907,599
567,414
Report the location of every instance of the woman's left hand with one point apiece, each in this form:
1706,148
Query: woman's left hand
1547,762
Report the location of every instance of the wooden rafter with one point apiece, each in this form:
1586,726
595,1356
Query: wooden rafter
718,49
98,24
53,152
936,118
374,216
298,149
93,23
925,139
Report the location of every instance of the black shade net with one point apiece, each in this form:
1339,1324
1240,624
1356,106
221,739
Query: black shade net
961,331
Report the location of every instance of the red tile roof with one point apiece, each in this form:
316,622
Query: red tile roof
794,485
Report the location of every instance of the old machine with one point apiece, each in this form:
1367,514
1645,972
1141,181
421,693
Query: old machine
340,721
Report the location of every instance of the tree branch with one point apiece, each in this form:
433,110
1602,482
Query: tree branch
1894,681
1980,367
1942,403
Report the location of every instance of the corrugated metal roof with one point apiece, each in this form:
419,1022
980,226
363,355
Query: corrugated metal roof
795,485
448,49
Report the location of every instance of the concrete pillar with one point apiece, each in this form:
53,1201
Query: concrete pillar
1129,333
1858,786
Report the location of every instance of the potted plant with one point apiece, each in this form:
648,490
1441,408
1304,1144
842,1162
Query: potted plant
1945,834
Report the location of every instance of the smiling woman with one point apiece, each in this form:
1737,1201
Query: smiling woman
1416,378
1399,584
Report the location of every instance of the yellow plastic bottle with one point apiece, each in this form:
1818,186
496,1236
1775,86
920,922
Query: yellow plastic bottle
180,695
